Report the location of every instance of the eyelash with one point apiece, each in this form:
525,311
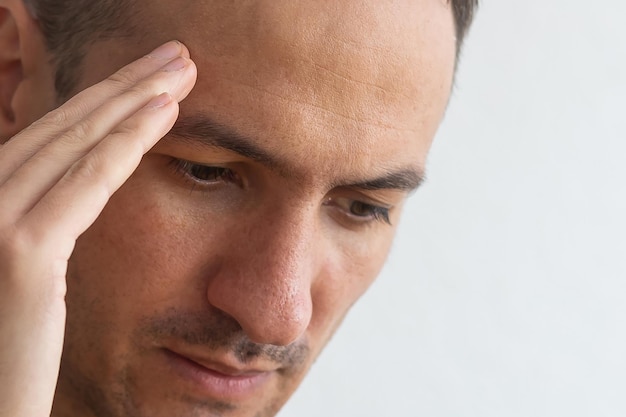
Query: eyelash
189,171
355,209
378,213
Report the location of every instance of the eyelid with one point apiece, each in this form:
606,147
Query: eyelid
184,167
374,211
379,212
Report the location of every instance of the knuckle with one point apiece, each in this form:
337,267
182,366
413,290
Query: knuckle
136,92
121,79
80,132
85,169
54,118
91,170
57,117
14,245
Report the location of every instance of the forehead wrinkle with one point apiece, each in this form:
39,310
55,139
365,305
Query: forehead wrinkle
349,81
383,40
318,56
352,117
347,49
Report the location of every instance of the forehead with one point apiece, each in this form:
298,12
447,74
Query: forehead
363,81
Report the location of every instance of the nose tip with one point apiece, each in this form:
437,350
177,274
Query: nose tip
265,284
268,314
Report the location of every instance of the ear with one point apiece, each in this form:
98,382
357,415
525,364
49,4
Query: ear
26,75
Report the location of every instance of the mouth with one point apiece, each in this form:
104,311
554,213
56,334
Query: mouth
217,379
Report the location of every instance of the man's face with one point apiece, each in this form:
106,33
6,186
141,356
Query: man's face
219,271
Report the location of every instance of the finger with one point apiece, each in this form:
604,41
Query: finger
36,176
34,137
75,202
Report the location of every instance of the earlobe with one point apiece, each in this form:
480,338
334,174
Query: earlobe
26,76
10,71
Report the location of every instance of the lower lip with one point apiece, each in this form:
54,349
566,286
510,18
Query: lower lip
214,384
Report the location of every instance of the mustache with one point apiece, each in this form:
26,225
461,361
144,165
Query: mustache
215,330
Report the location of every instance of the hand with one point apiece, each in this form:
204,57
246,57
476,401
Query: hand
56,176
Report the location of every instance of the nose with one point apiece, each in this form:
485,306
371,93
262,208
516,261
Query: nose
265,279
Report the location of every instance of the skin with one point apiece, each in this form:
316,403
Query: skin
254,266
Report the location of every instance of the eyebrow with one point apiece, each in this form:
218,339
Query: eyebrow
404,180
204,132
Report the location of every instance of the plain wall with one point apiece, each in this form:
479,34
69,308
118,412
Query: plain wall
504,293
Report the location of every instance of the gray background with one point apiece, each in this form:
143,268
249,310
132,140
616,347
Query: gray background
504,294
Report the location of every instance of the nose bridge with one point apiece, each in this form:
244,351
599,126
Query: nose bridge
265,281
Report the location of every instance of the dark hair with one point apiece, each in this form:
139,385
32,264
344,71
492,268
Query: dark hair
463,16
69,26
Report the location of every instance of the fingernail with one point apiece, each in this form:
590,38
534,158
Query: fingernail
175,65
159,101
169,50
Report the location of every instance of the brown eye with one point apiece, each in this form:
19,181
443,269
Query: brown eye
206,173
199,175
359,211
364,210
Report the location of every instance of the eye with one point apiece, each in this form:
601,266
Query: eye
203,175
360,211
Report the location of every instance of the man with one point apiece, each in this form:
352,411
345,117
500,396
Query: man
210,281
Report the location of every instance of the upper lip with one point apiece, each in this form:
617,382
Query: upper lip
226,366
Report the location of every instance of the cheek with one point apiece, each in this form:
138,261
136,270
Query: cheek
140,256
350,269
